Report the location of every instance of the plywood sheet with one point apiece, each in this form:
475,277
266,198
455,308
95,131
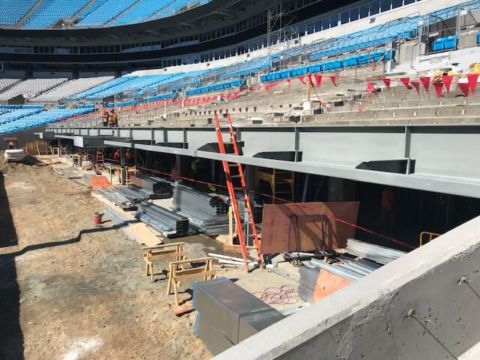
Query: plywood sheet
307,226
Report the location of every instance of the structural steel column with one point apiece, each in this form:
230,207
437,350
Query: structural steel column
123,175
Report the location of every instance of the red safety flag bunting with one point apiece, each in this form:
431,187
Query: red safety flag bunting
302,79
387,83
447,80
438,86
310,81
370,87
416,85
289,82
318,80
425,80
472,82
464,88
333,79
406,81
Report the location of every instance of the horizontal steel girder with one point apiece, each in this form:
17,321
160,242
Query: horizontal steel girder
446,157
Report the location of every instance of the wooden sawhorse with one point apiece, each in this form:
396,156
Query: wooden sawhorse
153,253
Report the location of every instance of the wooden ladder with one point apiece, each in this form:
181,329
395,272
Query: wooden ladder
228,167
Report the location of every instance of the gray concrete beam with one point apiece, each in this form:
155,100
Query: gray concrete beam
423,306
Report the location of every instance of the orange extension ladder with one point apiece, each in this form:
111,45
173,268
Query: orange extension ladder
99,160
227,167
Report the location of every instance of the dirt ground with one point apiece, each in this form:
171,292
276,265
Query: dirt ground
70,290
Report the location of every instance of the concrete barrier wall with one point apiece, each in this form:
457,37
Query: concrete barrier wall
425,305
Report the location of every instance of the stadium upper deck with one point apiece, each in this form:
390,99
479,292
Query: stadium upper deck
213,31
43,14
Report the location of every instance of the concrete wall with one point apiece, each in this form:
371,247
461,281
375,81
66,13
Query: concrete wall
414,308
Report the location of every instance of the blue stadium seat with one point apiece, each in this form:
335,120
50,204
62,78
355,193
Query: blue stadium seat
146,9
15,10
214,87
103,11
439,44
450,42
51,11
22,119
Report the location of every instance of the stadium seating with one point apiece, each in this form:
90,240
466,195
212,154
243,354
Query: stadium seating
51,11
329,65
145,100
70,88
104,11
246,68
138,85
4,83
146,9
374,37
445,43
23,119
99,88
30,88
15,10
132,85
13,114
214,87
176,6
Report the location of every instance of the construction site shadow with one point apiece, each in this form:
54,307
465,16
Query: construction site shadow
11,335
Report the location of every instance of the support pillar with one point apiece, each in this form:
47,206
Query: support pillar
123,173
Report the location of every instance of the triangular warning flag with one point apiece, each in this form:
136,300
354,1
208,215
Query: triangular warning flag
464,88
370,87
333,79
447,80
318,80
302,80
438,88
406,81
472,82
426,83
416,85
387,83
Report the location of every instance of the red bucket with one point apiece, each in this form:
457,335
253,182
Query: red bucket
97,218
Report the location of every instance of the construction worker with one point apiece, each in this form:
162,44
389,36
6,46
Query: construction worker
105,116
129,155
113,119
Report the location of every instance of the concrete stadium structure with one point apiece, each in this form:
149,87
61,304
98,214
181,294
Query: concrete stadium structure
333,96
